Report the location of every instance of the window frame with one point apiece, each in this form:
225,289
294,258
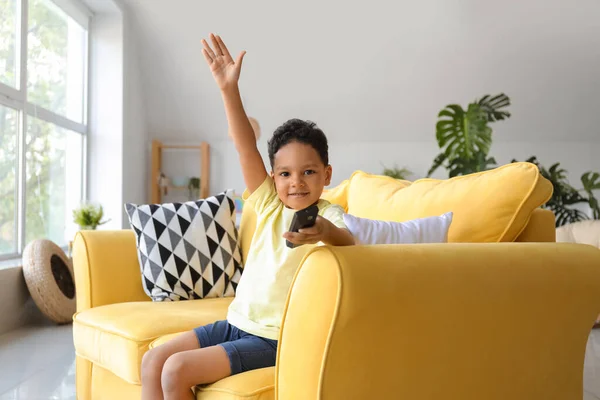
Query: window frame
17,99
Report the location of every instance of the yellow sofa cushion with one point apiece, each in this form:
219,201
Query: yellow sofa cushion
489,206
258,384
116,336
338,195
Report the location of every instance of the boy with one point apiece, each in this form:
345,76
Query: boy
247,340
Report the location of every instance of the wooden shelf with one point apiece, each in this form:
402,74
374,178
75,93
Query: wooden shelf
157,157
181,147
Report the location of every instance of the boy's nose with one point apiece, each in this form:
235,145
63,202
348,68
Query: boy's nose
298,182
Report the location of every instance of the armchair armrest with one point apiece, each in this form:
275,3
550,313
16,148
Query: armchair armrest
453,321
107,269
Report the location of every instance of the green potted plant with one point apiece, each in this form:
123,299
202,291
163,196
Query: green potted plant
465,137
565,197
88,216
194,188
397,173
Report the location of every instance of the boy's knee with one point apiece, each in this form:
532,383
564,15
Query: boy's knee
151,363
172,374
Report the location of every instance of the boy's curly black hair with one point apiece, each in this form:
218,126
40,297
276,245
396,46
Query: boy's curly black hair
297,130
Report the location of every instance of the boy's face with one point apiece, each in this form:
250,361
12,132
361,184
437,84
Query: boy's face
299,175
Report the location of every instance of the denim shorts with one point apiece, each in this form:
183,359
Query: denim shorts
245,351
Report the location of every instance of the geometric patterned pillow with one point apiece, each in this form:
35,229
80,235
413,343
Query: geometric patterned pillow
188,250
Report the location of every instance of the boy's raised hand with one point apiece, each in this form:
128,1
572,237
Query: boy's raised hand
225,71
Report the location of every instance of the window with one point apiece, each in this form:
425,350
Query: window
56,54
43,122
53,179
9,48
8,180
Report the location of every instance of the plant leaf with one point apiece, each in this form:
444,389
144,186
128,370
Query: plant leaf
570,197
566,215
460,166
439,160
396,173
492,106
594,206
450,122
88,215
591,181
558,175
462,134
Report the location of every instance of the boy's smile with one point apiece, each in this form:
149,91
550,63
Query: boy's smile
300,175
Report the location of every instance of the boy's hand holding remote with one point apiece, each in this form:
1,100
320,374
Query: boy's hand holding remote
322,231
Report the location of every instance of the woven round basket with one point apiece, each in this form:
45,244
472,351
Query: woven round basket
49,276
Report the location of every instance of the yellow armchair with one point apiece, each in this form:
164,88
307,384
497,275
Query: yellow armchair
453,321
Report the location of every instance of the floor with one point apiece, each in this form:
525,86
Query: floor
37,363
591,369
45,369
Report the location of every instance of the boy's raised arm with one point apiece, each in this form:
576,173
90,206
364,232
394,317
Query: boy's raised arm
226,72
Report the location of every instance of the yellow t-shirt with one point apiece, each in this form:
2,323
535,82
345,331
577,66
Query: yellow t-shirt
270,265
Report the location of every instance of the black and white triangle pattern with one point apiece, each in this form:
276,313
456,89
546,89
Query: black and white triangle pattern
188,250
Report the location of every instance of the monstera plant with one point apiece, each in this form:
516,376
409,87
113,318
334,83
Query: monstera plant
565,197
465,137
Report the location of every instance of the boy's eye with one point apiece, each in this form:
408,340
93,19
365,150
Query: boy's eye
309,172
284,174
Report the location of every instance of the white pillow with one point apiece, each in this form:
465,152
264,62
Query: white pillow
422,230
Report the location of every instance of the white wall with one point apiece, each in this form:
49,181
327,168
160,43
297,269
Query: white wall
375,74
105,143
135,139
118,137
16,305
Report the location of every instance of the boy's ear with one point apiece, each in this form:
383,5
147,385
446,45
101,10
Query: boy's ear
328,173
271,174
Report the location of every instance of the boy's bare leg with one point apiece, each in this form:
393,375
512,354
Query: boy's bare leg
154,360
186,369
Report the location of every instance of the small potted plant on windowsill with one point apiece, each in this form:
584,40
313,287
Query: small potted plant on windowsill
88,216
